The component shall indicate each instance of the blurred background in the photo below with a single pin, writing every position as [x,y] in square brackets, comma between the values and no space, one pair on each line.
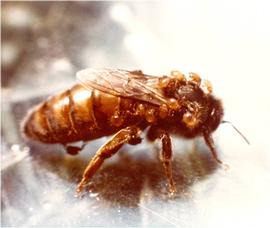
[44,44]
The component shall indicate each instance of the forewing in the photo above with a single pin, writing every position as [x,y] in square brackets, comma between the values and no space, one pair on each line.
[122,83]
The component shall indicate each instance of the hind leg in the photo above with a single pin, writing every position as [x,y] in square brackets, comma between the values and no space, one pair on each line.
[126,135]
[74,150]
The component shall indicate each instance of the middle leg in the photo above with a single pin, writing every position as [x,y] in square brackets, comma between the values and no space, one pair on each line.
[166,159]
[165,154]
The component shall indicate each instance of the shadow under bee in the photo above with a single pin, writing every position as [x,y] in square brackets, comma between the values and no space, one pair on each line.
[123,180]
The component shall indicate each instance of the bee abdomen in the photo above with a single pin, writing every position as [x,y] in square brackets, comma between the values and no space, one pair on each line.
[78,114]
[63,118]
[42,124]
[35,125]
[73,115]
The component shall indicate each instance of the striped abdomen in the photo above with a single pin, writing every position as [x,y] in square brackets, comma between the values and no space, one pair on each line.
[79,114]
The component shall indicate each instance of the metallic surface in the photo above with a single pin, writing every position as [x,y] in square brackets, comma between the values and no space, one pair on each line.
[45,43]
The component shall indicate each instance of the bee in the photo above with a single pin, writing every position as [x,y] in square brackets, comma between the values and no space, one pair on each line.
[123,104]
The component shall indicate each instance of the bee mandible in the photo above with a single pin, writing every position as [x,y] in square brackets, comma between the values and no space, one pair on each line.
[123,104]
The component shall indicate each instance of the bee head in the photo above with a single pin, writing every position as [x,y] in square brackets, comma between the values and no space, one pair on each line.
[202,111]
[199,109]
[215,114]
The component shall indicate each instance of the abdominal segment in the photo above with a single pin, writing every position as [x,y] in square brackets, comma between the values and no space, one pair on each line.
[77,114]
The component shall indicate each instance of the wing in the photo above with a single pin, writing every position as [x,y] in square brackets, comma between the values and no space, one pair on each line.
[122,83]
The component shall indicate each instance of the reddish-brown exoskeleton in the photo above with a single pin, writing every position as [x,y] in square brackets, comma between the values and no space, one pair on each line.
[124,103]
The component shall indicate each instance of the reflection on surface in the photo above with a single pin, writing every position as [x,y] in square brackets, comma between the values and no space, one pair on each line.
[45,181]
[123,180]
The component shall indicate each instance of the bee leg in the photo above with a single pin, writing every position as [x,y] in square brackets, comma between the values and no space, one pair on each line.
[166,153]
[74,150]
[166,159]
[210,143]
[126,135]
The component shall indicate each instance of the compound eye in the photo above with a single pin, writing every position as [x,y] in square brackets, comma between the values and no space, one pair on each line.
[189,119]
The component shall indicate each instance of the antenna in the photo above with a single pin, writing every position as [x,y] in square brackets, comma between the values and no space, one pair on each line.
[225,121]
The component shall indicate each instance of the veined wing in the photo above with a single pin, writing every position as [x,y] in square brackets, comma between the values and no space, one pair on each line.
[122,83]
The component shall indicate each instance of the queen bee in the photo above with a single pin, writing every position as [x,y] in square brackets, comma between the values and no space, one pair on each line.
[123,104]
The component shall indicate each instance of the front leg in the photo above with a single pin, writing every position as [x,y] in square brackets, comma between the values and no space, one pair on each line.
[210,143]
[126,135]
[165,154]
